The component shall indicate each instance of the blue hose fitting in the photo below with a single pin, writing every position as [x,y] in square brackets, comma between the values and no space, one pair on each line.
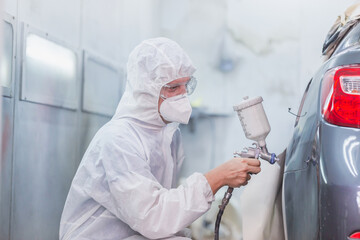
[272,160]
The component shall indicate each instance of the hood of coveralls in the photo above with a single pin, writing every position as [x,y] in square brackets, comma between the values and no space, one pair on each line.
[152,64]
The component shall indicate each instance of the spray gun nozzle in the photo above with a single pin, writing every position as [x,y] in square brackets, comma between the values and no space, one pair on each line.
[257,152]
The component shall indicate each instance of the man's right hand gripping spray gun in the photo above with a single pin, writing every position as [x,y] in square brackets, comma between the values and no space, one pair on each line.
[256,127]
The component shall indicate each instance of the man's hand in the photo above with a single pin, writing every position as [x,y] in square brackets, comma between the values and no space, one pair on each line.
[233,173]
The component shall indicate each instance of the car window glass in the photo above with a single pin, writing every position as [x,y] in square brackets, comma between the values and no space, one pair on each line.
[298,115]
[352,38]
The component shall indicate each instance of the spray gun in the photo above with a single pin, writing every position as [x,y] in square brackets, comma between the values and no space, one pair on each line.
[256,127]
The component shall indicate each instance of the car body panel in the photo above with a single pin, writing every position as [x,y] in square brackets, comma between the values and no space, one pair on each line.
[340,181]
[321,184]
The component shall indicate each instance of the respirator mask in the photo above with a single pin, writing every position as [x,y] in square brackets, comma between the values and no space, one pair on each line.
[176,106]
[176,109]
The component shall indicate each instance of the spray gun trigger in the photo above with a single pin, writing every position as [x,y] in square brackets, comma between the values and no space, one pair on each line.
[236,154]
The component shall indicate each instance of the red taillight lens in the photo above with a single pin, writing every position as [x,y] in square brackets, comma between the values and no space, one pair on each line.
[355,235]
[340,96]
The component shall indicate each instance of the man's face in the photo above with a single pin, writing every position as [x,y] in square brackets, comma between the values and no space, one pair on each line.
[172,89]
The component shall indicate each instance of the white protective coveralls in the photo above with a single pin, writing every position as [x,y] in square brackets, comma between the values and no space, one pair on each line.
[124,186]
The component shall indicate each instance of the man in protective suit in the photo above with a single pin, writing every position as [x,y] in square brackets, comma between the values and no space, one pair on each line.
[125,184]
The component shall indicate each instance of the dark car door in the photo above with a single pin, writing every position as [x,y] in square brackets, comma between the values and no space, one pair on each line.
[300,183]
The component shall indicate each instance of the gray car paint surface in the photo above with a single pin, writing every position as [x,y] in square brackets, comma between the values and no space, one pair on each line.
[321,184]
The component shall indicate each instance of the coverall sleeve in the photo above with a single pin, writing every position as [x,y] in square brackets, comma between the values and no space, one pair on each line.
[129,191]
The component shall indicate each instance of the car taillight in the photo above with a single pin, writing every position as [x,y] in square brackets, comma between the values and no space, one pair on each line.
[355,235]
[340,96]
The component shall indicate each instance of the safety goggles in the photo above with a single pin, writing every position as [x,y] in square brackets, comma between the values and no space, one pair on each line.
[175,89]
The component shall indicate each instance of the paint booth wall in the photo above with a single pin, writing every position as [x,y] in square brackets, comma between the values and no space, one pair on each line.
[51,108]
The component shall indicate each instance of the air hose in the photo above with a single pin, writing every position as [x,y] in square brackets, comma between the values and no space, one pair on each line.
[224,202]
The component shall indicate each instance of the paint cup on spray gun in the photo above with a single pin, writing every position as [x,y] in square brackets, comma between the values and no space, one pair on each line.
[256,127]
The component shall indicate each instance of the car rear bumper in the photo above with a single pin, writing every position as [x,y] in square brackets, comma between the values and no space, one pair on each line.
[339,174]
